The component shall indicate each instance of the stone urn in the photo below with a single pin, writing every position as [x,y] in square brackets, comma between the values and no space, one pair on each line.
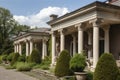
[80,75]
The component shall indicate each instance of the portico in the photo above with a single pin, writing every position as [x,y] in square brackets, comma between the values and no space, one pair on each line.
[36,38]
[85,28]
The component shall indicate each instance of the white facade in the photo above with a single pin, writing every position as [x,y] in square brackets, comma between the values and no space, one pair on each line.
[31,39]
[91,19]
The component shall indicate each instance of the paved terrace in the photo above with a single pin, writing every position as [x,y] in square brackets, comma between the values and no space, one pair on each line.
[13,75]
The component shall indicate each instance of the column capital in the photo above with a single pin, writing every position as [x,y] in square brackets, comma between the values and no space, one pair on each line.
[73,35]
[96,22]
[106,27]
[53,33]
[26,40]
[80,26]
[89,31]
[62,31]
[45,39]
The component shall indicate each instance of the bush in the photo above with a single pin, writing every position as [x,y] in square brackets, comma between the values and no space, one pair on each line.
[0,59]
[4,57]
[44,64]
[22,58]
[118,77]
[21,66]
[106,68]
[10,56]
[27,58]
[10,67]
[89,76]
[78,63]
[62,65]
[15,58]
[35,56]
[32,64]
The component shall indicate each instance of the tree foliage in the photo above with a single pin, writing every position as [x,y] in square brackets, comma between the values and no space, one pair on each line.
[9,29]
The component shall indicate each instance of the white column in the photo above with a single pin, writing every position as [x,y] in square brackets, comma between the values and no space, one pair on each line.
[62,40]
[53,48]
[31,46]
[14,48]
[17,47]
[80,39]
[27,48]
[106,39]
[74,44]
[20,49]
[44,49]
[89,44]
[95,43]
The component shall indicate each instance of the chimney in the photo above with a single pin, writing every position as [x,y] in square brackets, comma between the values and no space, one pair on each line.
[111,1]
[114,2]
[53,16]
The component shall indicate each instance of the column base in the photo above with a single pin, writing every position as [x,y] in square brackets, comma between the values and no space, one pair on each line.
[92,69]
[52,65]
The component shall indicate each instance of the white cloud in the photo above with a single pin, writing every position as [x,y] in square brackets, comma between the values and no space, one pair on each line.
[39,19]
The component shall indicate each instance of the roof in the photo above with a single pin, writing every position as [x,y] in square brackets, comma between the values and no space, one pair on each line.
[39,30]
[96,3]
[36,32]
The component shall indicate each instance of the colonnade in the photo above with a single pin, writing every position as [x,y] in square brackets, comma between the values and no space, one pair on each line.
[96,25]
[29,47]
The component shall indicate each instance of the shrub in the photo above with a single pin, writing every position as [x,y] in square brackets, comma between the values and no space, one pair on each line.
[10,56]
[89,76]
[32,64]
[44,64]
[10,67]
[62,65]
[78,63]
[0,59]
[4,57]
[21,66]
[35,56]
[22,58]
[27,58]
[106,68]
[15,58]
[118,77]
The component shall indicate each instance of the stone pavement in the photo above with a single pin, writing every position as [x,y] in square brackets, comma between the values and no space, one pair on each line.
[13,75]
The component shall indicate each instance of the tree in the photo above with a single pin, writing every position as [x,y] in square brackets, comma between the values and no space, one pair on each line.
[9,28]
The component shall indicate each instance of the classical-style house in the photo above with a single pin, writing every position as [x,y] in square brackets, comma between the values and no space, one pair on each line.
[94,28]
[34,38]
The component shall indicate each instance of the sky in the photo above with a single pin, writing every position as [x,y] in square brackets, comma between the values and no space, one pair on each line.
[35,13]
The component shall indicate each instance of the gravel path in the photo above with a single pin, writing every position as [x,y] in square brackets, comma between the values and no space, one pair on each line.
[13,75]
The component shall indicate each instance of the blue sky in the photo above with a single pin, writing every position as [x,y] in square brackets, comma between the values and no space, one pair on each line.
[38,10]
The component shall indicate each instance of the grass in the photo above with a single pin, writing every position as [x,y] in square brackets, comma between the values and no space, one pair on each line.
[21,66]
